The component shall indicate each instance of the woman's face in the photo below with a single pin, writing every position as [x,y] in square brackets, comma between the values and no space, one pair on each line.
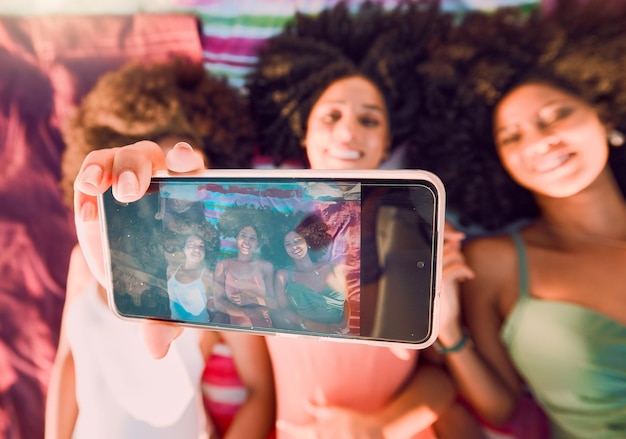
[247,241]
[194,249]
[295,245]
[549,140]
[348,127]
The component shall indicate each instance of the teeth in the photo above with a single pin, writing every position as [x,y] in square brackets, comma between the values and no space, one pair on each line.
[549,165]
[345,154]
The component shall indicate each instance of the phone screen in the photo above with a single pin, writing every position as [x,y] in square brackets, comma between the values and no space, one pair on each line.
[350,258]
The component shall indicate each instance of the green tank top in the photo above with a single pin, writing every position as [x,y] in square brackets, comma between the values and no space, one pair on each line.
[572,358]
[326,306]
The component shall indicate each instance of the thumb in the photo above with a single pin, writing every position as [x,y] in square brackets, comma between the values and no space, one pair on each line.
[182,158]
[158,336]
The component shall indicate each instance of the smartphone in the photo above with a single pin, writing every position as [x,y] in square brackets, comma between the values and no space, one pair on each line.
[341,255]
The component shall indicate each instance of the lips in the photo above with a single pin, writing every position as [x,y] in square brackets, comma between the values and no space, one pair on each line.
[344,154]
[552,162]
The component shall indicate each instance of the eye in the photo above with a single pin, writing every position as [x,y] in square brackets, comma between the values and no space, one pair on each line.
[508,139]
[369,121]
[552,115]
[331,117]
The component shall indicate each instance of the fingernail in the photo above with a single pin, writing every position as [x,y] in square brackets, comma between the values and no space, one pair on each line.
[92,175]
[88,212]
[183,145]
[127,184]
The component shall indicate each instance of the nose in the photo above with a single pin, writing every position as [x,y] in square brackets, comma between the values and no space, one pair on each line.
[344,130]
[540,142]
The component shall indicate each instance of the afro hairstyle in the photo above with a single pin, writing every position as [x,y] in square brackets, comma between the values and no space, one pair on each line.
[296,66]
[576,48]
[142,101]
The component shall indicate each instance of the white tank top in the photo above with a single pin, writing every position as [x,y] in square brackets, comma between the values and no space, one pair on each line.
[188,301]
[122,392]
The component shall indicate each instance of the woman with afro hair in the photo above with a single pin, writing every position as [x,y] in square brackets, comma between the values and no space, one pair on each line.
[311,292]
[164,103]
[334,91]
[296,118]
[244,284]
[525,126]
[104,383]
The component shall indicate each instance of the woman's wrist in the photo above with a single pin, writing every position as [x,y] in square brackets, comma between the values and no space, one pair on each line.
[449,335]
[462,340]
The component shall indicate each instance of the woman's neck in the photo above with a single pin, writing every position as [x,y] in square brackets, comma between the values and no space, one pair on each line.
[191,265]
[244,258]
[304,264]
[597,211]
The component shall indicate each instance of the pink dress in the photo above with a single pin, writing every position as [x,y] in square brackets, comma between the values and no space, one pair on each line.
[354,376]
[250,292]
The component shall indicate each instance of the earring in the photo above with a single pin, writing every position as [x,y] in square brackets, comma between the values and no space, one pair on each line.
[616,138]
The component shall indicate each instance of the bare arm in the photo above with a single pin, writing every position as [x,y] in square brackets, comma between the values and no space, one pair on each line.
[289,316]
[427,394]
[256,417]
[268,278]
[483,372]
[207,282]
[61,405]
[222,302]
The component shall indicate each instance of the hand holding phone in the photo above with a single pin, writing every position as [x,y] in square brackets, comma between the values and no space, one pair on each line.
[102,170]
[391,254]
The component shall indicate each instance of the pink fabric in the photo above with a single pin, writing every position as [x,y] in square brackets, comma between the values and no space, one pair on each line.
[46,65]
[354,376]
[222,389]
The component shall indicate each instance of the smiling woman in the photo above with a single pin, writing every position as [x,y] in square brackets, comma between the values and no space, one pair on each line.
[307,74]
[348,127]
[538,115]
[244,284]
[549,140]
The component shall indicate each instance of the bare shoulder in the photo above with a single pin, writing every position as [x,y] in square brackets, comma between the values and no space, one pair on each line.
[281,274]
[266,266]
[489,255]
[494,262]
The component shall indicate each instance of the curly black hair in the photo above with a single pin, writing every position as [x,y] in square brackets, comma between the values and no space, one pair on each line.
[578,48]
[296,66]
[236,217]
[310,225]
[142,101]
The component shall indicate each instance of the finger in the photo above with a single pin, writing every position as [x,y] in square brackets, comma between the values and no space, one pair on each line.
[158,336]
[93,179]
[94,176]
[451,253]
[458,271]
[450,233]
[400,352]
[133,167]
[182,158]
